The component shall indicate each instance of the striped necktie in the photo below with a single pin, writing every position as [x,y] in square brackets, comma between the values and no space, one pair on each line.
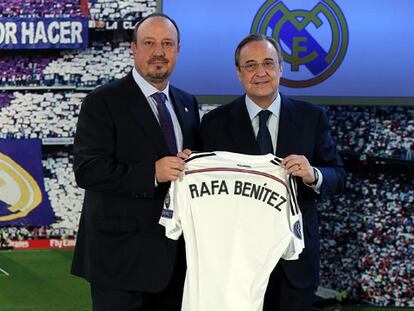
[166,123]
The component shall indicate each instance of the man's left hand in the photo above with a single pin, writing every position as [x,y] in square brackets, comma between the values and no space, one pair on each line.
[298,165]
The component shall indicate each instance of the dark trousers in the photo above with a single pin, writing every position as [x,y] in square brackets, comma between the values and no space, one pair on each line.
[109,299]
[282,296]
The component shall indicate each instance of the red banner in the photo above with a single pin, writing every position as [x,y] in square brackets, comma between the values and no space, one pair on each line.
[44,243]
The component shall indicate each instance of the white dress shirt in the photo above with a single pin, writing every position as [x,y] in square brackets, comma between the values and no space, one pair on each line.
[148,90]
[272,122]
[273,126]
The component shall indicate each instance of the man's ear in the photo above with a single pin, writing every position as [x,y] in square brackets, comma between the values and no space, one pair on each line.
[238,72]
[133,48]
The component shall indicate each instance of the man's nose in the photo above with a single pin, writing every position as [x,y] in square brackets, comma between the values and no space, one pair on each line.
[158,49]
[260,71]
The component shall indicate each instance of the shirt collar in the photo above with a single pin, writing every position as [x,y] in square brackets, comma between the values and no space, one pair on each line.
[146,87]
[254,109]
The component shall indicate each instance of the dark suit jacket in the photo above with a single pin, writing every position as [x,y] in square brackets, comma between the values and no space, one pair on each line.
[304,130]
[118,139]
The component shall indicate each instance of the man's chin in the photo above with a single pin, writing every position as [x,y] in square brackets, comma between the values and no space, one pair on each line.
[158,78]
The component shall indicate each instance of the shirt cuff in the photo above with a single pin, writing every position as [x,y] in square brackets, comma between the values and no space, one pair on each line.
[317,187]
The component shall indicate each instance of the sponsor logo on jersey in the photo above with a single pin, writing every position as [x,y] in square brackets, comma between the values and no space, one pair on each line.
[314,42]
[297,230]
[19,192]
[244,165]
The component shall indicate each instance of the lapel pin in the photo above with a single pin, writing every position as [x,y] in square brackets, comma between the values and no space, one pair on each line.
[186,109]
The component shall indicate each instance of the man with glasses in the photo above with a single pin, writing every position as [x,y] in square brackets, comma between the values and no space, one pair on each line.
[265,121]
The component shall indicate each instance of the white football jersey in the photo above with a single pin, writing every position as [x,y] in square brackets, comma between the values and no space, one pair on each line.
[239,216]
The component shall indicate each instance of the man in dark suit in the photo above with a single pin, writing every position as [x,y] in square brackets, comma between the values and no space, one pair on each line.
[257,123]
[127,138]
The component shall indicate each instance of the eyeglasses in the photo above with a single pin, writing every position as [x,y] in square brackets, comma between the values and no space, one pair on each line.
[253,66]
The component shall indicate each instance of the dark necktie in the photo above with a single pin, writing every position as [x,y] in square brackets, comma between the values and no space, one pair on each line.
[166,123]
[263,136]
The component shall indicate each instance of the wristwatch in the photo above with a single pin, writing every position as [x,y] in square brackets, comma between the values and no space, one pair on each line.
[316,175]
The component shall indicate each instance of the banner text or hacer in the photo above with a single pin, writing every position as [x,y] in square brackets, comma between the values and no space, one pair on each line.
[43,33]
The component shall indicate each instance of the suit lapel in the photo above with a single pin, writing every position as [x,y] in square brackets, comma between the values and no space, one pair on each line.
[241,128]
[141,111]
[287,128]
[182,112]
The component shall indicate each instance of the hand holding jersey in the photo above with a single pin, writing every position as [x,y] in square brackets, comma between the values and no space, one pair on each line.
[298,165]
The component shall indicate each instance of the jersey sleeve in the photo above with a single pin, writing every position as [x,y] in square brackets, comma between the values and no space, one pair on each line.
[170,217]
[297,243]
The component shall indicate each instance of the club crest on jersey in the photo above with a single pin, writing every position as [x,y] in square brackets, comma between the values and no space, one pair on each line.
[313,41]
[297,230]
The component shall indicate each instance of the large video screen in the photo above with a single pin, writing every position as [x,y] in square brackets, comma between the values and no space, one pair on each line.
[331,48]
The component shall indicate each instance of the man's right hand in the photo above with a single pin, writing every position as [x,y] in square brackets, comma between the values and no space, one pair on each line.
[185,154]
[168,168]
